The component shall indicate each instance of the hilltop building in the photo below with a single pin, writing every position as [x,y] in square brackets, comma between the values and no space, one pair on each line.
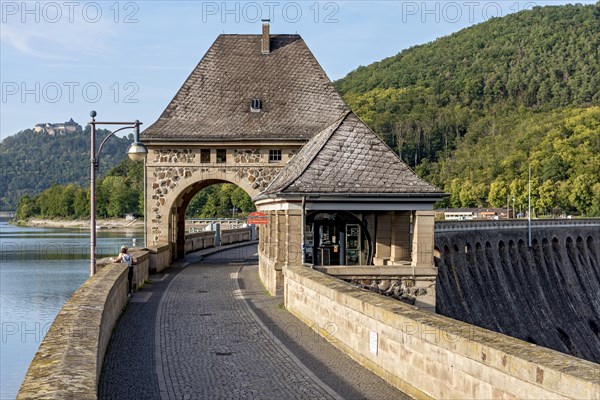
[60,128]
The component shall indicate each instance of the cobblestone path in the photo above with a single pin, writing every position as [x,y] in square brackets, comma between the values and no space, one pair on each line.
[209,330]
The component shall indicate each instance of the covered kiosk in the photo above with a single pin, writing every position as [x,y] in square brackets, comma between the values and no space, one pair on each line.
[347,202]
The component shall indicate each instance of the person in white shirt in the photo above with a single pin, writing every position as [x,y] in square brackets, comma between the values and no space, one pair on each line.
[125,257]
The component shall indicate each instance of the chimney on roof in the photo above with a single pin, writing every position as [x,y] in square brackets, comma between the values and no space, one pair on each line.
[265,41]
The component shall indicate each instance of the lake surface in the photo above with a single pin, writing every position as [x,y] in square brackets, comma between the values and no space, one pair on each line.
[40,268]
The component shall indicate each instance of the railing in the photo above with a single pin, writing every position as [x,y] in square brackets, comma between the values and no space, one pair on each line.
[198,225]
[453,226]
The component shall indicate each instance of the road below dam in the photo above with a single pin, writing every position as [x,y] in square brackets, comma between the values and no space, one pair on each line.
[548,294]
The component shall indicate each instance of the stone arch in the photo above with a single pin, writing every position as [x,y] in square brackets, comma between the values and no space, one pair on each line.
[468,248]
[171,188]
[523,253]
[489,254]
[556,252]
[446,250]
[512,254]
[547,253]
[537,252]
[180,208]
[502,253]
[570,246]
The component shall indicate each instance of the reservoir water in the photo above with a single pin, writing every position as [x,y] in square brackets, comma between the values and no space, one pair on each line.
[40,268]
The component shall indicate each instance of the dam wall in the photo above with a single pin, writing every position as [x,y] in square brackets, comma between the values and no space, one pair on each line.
[547,295]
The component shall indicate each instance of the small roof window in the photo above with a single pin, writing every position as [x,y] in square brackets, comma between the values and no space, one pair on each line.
[255,105]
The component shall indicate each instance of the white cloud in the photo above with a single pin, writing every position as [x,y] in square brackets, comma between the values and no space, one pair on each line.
[62,40]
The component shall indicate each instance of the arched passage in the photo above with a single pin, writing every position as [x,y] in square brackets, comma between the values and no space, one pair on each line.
[170,188]
[177,228]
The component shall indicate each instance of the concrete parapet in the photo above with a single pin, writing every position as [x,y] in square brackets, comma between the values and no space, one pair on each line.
[431,356]
[69,360]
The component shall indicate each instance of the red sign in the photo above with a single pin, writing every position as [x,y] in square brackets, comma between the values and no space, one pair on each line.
[258,218]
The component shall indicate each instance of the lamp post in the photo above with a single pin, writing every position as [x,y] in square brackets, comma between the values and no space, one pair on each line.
[136,151]
[514,215]
[529,209]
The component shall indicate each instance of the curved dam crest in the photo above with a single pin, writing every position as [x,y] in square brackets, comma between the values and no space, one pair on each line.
[548,294]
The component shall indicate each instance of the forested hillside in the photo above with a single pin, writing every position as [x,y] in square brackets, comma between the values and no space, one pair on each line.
[121,192]
[473,110]
[31,162]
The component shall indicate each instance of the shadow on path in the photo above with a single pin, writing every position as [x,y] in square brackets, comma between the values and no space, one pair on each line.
[222,336]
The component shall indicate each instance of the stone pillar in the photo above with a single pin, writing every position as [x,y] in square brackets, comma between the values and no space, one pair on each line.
[383,238]
[271,236]
[400,236]
[294,237]
[423,240]
[281,243]
[422,259]
[180,234]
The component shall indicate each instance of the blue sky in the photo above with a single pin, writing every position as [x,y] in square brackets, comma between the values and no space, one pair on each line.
[126,60]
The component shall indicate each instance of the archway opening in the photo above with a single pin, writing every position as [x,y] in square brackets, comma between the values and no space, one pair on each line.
[220,201]
[204,203]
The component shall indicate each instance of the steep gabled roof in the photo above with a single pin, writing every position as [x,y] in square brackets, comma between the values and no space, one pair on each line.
[214,102]
[348,157]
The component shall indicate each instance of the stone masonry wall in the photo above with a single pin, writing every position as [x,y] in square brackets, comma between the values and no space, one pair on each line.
[431,356]
[69,360]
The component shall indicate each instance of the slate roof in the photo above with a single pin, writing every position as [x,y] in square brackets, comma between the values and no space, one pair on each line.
[348,157]
[214,102]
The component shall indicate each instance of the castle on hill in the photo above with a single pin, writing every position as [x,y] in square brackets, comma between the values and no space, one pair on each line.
[57,129]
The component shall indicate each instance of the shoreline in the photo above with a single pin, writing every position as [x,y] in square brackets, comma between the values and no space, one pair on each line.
[101,224]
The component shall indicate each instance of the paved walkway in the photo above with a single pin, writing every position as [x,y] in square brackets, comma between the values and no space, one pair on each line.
[207,329]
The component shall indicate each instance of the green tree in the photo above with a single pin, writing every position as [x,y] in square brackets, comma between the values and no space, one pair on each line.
[582,195]
[26,208]
[547,196]
[498,195]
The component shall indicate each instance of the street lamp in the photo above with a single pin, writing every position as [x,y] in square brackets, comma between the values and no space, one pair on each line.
[136,151]
[514,216]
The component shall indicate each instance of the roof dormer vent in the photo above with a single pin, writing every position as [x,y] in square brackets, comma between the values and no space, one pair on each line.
[265,47]
[255,105]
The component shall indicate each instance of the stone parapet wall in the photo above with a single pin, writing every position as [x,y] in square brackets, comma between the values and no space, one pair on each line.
[235,235]
[159,256]
[141,267]
[271,277]
[69,360]
[431,356]
[200,240]
[203,240]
